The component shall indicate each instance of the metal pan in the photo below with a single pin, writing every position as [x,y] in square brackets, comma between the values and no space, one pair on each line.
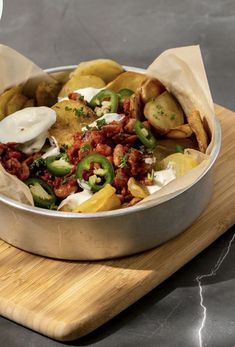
[108,234]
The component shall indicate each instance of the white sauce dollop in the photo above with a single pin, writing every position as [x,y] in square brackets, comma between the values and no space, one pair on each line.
[76,199]
[54,148]
[28,126]
[108,117]
[161,179]
[88,93]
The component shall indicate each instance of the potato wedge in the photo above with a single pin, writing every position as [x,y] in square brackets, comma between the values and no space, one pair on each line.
[71,117]
[127,80]
[29,103]
[103,200]
[16,103]
[181,132]
[197,127]
[78,82]
[137,189]
[5,98]
[106,69]
[164,113]
[47,93]
[151,88]
[182,163]
[135,106]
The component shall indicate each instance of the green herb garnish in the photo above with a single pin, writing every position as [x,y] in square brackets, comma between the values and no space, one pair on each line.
[79,112]
[100,123]
[124,160]
[68,108]
[85,147]
[37,165]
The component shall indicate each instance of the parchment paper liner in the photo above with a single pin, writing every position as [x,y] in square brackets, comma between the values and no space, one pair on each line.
[182,72]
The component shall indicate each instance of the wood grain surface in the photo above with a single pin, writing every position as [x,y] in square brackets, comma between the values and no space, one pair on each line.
[65,300]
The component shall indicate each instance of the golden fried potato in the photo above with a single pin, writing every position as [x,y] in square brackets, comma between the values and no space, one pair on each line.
[135,106]
[182,163]
[166,147]
[181,132]
[29,103]
[106,69]
[16,103]
[47,93]
[164,113]
[78,82]
[127,80]
[137,189]
[71,117]
[197,127]
[5,98]
[150,89]
[103,200]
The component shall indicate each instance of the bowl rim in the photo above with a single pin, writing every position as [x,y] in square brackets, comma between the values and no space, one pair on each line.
[121,211]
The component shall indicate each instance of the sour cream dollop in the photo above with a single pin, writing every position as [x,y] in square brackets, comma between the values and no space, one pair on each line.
[28,126]
[87,93]
[108,118]
[74,200]
[161,179]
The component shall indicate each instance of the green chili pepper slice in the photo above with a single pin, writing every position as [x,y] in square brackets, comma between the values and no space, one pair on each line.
[43,195]
[96,178]
[124,93]
[106,101]
[144,135]
[58,165]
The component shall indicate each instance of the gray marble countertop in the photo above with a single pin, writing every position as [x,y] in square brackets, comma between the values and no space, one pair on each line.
[195,306]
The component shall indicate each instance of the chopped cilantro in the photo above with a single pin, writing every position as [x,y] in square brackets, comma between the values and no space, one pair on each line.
[85,130]
[124,159]
[68,108]
[85,147]
[173,116]
[100,123]
[37,165]
[79,112]
[142,149]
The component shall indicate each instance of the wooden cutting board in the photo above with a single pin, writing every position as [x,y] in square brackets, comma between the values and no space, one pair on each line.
[65,300]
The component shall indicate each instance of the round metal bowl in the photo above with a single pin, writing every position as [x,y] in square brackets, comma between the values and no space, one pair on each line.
[111,234]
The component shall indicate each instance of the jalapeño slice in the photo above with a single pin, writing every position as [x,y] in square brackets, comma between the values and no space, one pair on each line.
[96,171]
[106,101]
[43,195]
[144,135]
[124,93]
[58,165]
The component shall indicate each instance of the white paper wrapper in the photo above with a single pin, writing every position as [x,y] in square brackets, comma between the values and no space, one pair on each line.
[13,188]
[182,72]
